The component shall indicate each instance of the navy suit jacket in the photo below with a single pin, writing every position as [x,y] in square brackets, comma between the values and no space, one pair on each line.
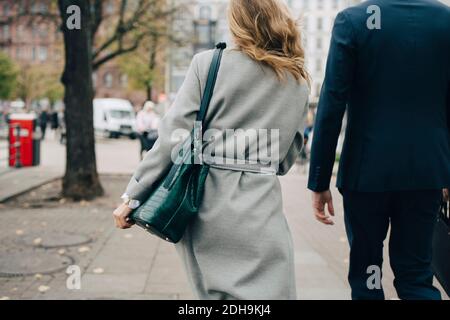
[394,83]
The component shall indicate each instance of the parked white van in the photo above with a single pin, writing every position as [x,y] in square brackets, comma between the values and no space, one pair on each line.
[114,118]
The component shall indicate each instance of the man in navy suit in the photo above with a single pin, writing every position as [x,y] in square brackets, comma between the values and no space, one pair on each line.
[389,69]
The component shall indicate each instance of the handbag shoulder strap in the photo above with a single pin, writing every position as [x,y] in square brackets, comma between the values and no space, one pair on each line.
[206,100]
[211,82]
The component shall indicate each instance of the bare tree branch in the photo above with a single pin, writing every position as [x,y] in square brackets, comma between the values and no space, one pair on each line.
[120,51]
[126,27]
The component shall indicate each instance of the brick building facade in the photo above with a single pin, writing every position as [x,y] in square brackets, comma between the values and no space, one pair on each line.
[38,41]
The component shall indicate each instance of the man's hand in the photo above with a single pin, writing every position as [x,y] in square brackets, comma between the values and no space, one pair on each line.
[319,200]
[121,215]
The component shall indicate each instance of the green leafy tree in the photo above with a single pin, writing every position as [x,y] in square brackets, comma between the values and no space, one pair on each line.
[8,77]
[37,82]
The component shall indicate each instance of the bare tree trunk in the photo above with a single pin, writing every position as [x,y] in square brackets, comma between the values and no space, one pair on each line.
[152,65]
[81,180]
[149,90]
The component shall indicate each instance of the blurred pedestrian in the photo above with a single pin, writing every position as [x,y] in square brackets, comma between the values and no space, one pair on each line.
[54,122]
[6,116]
[43,122]
[147,126]
[61,127]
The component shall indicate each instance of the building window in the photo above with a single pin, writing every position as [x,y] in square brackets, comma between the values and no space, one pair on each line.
[35,31]
[39,7]
[35,8]
[204,35]
[319,44]
[205,31]
[43,31]
[319,23]
[305,43]
[124,80]
[108,80]
[6,32]
[320,4]
[22,6]
[305,23]
[318,65]
[43,53]
[6,9]
[20,31]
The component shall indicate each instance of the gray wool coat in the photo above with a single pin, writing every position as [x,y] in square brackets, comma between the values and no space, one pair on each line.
[240,246]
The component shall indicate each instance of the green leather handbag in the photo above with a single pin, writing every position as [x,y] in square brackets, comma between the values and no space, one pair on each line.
[177,199]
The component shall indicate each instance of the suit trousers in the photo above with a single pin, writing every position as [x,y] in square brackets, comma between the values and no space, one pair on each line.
[412,216]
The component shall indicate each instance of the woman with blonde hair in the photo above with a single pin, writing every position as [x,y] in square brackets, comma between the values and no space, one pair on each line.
[239,246]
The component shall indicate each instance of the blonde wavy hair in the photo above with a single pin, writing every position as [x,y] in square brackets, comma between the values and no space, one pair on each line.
[266,31]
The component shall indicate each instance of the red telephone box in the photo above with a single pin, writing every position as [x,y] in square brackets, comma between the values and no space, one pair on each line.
[24,144]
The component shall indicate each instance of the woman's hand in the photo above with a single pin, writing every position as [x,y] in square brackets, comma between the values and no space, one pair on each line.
[121,215]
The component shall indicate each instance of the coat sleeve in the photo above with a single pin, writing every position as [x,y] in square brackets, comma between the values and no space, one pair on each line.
[177,123]
[332,104]
[297,145]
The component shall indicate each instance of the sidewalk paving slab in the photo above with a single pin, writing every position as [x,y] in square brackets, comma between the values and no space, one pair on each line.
[15,182]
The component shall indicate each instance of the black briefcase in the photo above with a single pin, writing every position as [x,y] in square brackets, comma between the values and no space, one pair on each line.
[441,248]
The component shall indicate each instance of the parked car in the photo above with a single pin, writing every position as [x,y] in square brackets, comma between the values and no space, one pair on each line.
[114,118]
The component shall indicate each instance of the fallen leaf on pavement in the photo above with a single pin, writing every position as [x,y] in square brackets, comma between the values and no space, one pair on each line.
[43,289]
[84,203]
[98,270]
[83,249]
[37,241]
[19,232]
[61,251]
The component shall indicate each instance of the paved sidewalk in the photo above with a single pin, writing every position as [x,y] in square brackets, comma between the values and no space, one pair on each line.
[134,265]
[14,182]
